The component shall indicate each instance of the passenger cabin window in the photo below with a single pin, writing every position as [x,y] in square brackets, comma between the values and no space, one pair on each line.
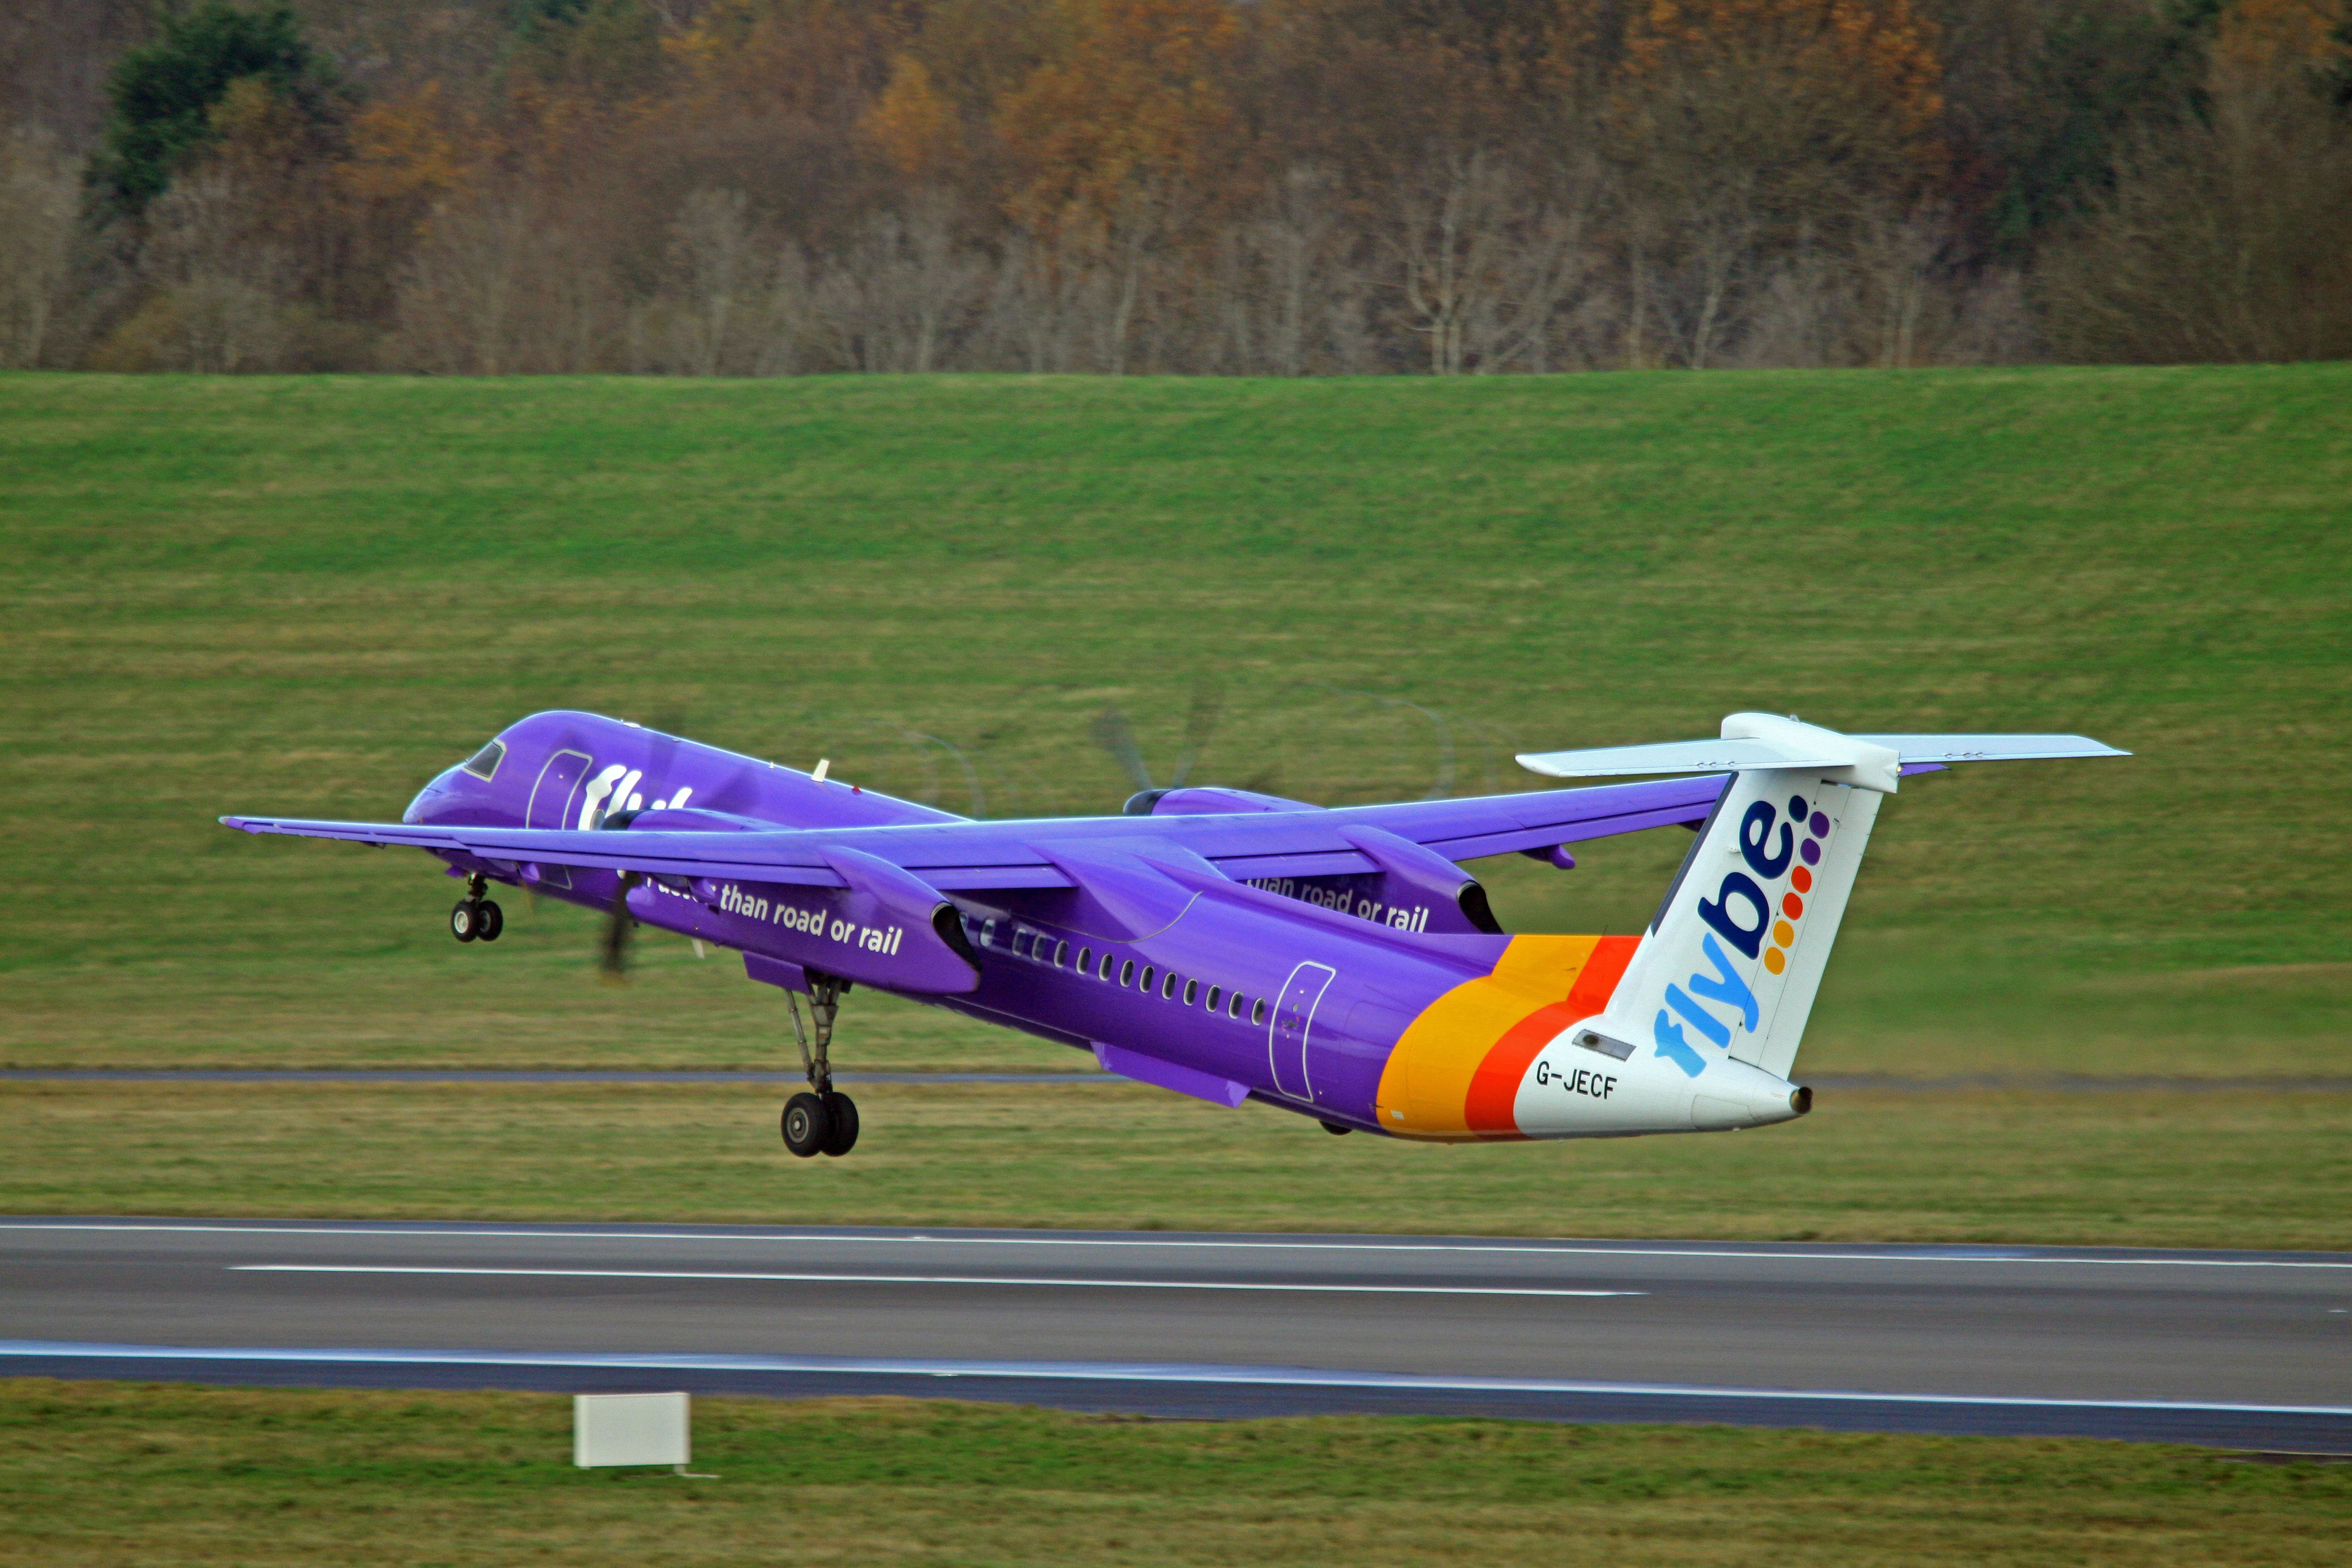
[1236,1005]
[1110,961]
[988,933]
[1168,988]
[1147,980]
[1020,944]
[1191,992]
[1216,994]
[1085,960]
[484,764]
[1257,1010]
[1127,972]
[1061,953]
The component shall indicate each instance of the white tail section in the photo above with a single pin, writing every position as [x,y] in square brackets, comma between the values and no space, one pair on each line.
[1730,964]
[1734,957]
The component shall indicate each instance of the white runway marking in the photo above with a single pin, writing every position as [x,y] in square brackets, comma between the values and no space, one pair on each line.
[1024,1281]
[1116,1371]
[1926,1253]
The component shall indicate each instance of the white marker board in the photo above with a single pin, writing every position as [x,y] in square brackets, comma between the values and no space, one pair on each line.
[629,1429]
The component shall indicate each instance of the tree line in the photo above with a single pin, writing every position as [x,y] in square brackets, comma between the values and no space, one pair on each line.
[1263,187]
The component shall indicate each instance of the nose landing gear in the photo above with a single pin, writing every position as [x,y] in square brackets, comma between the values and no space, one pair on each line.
[821,1120]
[475,918]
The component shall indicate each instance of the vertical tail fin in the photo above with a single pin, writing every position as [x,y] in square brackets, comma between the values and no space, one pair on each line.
[1734,957]
[1732,960]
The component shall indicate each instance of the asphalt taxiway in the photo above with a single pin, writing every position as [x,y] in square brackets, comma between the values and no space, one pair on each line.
[2247,1349]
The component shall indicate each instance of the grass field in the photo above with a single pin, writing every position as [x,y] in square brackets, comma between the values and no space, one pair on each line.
[2210,1169]
[307,596]
[95,1474]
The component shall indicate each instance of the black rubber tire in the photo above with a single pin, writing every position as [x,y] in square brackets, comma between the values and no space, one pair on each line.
[842,1136]
[464,920]
[805,1125]
[494,920]
[1337,1129]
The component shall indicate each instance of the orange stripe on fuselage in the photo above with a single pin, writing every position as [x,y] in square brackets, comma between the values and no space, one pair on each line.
[1455,1075]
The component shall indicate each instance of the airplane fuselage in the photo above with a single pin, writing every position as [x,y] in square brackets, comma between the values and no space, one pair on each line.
[1316,995]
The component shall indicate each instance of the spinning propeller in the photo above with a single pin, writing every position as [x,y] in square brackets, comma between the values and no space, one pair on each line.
[1113,734]
[613,951]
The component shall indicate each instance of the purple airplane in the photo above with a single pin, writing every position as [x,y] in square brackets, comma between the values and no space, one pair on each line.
[1339,963]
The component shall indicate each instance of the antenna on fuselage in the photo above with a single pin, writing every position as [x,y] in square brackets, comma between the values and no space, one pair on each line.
[824,766]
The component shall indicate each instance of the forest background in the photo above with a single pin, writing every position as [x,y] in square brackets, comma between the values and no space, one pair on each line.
[1202,186]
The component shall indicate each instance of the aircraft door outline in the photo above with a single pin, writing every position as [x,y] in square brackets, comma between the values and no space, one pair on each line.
[1294,1018]
[565,770]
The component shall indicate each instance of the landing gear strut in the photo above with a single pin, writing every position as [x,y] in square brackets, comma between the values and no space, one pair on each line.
[820,1122]
[475,918]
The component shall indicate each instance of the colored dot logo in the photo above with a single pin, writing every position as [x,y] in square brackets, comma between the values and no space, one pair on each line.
[1792,905]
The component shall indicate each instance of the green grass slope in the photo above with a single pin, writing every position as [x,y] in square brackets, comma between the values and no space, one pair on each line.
[307,596]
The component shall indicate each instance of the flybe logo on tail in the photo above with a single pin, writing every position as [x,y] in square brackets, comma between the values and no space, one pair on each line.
[1744,914]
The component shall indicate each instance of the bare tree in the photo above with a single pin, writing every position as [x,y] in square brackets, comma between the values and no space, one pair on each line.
[506,281]
[1044,313]
[1991,321]
[716,258]
[1800,316]
[2226,237]
[1716,220]
[1897,263]
[1483,264]
[1542,266]
[464,289]
[213,290]
[38,189]
[1281,287]
[1444,233]
[901,297]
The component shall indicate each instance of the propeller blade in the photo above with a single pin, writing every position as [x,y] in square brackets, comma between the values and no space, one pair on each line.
[1112,734]
[612,960]
[613,951]
[1199,723]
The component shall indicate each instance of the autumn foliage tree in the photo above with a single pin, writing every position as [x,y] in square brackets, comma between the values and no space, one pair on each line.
[1261,186]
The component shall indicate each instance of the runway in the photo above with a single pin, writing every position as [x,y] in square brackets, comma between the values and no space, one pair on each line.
[2243,1349]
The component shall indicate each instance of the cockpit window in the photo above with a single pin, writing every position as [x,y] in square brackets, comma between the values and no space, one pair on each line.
[484,763]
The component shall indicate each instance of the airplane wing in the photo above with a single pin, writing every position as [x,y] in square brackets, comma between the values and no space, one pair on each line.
[960,857]
[793,857]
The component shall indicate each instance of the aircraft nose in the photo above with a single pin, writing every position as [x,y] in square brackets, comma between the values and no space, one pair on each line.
[420,809]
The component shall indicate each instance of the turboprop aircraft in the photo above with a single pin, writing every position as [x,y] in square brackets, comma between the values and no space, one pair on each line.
[1336,962]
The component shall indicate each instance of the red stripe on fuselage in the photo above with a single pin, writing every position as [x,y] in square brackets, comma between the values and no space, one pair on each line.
[1596,981]
[1495,1087]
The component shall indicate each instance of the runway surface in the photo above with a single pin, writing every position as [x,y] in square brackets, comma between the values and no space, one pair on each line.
[2244,1350]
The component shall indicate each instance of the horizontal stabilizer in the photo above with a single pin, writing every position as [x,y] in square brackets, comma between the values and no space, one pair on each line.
[1991,748]
[1751,741]
[1674,757]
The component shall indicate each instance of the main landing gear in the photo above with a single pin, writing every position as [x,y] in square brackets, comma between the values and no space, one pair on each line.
[475,918]
[822,1121]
